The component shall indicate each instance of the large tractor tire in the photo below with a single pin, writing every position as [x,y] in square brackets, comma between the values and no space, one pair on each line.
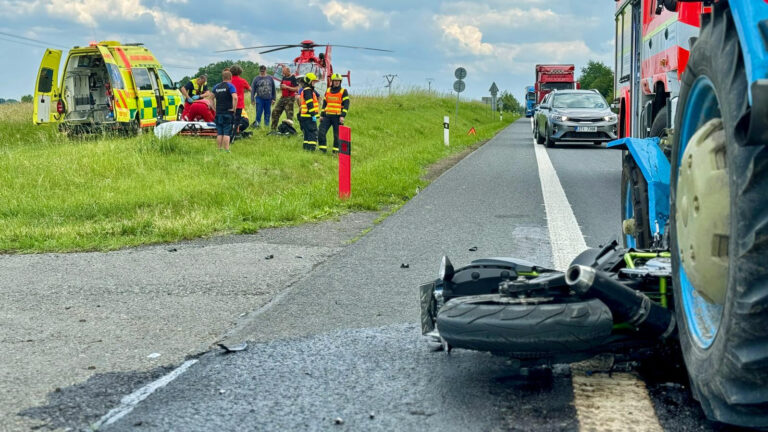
[634,206]
[719,233]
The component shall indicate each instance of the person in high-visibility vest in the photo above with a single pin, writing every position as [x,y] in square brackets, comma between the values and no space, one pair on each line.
[309,111]
[335,108]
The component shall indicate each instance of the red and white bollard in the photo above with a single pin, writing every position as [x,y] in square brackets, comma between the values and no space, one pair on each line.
[345,153]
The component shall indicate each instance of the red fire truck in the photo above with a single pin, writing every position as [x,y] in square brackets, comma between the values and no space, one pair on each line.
[661,46]
[553,77]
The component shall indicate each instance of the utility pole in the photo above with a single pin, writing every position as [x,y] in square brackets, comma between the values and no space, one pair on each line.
[390,78]
[429,83]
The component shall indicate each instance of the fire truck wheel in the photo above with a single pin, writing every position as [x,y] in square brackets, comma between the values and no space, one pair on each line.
[722,312]
[634,206]
[659,123]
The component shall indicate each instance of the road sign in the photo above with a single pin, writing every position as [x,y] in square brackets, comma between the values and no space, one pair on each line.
[459,86]
[494,89]
[460,73]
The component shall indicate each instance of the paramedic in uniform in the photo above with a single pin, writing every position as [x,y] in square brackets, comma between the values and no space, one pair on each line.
[335,107]
[195,89]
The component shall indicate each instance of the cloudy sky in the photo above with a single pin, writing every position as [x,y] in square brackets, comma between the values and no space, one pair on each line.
[495,40]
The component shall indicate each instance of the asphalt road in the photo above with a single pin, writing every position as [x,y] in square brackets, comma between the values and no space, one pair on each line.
[340,349]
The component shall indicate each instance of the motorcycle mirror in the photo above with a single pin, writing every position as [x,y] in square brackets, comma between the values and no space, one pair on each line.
[446,269]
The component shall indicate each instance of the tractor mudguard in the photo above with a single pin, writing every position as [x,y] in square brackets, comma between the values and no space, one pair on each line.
[654,165]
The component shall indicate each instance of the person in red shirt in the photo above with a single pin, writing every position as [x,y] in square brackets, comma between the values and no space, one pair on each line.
[241,85]
[200,110]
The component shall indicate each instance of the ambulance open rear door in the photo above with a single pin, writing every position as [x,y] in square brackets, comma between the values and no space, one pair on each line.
[47,89]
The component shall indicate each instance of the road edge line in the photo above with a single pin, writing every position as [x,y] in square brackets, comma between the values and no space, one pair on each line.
[129,402]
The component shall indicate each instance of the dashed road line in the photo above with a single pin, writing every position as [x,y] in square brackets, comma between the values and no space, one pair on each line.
[618,402]
[129,402]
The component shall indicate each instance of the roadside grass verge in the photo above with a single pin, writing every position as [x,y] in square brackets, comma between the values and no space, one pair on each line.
[103,192]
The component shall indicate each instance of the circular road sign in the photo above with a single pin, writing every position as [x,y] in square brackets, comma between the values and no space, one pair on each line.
[460,73]
[459,86]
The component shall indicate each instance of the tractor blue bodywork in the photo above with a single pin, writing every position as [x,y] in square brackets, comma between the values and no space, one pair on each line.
[654,165]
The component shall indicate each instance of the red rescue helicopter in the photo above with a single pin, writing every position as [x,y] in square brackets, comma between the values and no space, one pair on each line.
[307,61]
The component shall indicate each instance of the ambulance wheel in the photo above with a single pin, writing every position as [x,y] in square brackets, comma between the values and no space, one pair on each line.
[134,128]
[719,234]
[636,229]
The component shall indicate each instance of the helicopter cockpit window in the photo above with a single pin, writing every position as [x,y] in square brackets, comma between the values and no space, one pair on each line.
[305,68]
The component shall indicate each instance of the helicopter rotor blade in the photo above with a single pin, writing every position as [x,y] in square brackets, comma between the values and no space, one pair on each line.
[255,47]
[278,49]
[363,48]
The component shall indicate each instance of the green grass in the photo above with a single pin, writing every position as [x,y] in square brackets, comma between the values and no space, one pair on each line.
[106,192]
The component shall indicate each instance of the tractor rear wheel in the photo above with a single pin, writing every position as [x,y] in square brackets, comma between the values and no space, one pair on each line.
[719,232]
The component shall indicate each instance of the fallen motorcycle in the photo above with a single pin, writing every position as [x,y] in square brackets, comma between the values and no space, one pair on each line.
[610,300]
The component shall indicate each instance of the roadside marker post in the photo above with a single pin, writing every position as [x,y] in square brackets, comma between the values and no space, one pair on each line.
[446,130]
[345,169]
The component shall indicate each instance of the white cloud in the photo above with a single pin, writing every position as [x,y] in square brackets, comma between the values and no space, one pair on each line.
[469,37]
[350,16]
[182,30]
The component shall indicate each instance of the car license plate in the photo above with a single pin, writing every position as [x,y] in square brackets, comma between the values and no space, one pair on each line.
[586,129]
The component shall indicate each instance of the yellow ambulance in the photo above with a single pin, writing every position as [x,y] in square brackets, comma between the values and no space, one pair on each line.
[105,85]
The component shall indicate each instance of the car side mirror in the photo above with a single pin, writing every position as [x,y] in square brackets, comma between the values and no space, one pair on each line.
[177,86]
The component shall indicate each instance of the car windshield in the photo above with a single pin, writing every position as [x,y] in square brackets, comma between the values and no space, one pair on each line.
[579,100]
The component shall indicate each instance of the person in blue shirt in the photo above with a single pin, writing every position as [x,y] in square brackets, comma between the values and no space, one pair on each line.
[226,101]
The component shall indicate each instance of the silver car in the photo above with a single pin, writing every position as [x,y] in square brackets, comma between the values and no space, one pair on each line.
[574,116]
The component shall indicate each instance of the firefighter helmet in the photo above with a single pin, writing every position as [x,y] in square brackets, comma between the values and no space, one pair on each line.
[336,77]
[310,77]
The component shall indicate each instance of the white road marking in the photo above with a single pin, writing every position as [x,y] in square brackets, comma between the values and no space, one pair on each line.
[128,403]
[564,232]
[603,402]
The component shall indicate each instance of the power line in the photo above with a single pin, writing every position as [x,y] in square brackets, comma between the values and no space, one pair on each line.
[22,43]
[31,40]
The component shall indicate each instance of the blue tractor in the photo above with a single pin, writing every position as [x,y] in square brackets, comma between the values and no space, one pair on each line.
[701,192]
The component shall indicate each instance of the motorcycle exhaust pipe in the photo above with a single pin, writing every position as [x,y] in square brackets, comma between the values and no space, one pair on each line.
[626,304]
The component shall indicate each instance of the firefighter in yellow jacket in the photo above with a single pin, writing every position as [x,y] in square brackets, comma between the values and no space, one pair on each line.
[309,111]
[335,108]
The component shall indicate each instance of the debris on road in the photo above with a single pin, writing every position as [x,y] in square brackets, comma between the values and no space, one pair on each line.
[154,355]
[233,348]
[405,266]
[269,257]
[473,249]
[338,421]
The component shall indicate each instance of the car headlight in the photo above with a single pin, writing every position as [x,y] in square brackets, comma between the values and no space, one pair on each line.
[560,118]
[612,117]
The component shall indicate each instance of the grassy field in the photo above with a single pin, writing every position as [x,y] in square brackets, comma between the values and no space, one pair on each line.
[105,192]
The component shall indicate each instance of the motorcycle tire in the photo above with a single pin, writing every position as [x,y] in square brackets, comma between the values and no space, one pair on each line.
[566,330]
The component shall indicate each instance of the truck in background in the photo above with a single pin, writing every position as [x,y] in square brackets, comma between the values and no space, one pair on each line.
[551,77]
[530,100]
